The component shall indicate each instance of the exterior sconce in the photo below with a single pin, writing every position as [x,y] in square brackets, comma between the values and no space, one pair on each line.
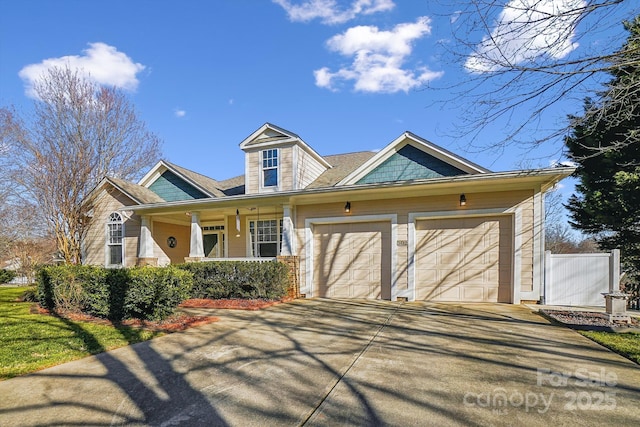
[347,207]
[463,200]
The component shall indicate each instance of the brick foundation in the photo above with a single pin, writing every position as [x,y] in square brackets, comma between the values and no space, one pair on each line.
[294,273]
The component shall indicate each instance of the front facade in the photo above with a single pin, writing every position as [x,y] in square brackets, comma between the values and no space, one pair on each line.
[412,221]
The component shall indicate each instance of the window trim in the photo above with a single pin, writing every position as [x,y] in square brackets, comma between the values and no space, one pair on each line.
[109,244]
[253,244]
[262,159]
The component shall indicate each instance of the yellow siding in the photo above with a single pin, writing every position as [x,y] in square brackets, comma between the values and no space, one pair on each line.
[237,244]
[166,255]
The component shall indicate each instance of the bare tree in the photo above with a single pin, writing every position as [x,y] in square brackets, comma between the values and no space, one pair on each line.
[79,132]
[524,56]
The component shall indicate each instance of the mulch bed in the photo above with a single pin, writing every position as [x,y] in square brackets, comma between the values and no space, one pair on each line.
[589,320]
[232,303]
[177,322]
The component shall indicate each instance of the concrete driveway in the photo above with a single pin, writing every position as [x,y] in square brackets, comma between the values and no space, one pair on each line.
[319,362]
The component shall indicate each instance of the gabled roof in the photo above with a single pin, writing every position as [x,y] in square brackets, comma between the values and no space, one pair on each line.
[269,135]
[408,138]
[137,193]
[341,166]
[233,186]
[206,185]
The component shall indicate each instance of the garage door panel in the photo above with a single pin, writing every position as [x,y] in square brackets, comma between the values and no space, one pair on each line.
[360,260]
[463,259]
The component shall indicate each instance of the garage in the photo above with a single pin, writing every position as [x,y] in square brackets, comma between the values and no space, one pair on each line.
[352,260]
[464,259]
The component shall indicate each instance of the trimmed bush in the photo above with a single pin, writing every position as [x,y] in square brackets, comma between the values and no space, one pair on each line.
[154,292]
[6,275]
[150,293]
[238,279]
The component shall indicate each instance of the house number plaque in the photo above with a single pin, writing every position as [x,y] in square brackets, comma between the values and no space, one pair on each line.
[402,243]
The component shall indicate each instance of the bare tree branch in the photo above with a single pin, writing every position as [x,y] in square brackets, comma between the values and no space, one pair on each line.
[522,57]
[78,134]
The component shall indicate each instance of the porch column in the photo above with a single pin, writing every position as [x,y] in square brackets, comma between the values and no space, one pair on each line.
[146,241]
[145,251]
[287,248]
[196,248]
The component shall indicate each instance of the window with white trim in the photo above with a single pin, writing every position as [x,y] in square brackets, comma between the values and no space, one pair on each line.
[114,240]
[266,237]
[270,167]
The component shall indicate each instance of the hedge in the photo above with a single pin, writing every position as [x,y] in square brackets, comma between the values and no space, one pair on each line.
[150,293]
[238,279]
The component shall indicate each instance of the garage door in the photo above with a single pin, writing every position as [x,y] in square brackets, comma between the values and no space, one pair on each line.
[352,260]
[464,259]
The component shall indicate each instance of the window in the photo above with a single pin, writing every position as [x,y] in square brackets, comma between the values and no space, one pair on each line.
[270,168]
[114,239]
[266,237]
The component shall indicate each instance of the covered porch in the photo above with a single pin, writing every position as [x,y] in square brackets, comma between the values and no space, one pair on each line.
[217,230]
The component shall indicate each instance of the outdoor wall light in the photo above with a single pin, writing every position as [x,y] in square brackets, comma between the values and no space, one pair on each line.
[463,200]
[347,207]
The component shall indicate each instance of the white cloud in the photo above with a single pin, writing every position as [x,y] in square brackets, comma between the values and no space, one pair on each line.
[330,12]
[100,62]
[526,30]
[379,57]
[180,113]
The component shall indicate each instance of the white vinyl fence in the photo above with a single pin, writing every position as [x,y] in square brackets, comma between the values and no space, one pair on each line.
[580,279]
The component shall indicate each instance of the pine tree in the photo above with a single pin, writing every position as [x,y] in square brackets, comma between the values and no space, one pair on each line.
[605,143]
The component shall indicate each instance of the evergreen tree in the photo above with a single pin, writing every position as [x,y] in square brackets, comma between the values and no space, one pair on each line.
[606,148]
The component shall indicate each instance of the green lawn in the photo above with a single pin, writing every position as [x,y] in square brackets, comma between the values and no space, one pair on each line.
[626,344]
[29,342]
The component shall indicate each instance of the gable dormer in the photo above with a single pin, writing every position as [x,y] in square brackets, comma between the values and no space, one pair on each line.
[279,160]
[410,157]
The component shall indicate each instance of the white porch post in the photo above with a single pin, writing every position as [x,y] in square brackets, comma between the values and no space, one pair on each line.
[146,241]
[287,232]
[196,247]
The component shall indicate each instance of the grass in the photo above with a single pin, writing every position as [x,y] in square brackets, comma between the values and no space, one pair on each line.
[627,344]
[30,342]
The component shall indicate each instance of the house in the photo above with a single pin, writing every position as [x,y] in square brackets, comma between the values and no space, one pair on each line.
[411,221]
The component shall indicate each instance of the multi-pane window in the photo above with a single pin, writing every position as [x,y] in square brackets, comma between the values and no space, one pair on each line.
[266,237]
[270,168]
[114,239]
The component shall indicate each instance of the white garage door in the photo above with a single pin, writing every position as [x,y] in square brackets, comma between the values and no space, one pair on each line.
[464,259]
[352,260]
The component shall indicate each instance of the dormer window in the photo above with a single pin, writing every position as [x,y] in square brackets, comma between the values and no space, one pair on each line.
[270,168]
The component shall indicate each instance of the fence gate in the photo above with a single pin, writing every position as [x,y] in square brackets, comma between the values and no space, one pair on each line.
[580,279]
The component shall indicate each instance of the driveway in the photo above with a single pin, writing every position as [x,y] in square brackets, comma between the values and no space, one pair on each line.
[320,362]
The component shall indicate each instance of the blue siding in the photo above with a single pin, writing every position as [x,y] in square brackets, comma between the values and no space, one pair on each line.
[410,163]
[171,187]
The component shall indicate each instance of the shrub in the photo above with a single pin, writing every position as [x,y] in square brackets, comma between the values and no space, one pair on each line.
[6,275]
[150,293]
[238,279]
[65,287]
[29,295]
[154,293]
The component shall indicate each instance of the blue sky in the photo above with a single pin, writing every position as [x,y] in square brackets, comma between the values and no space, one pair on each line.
[344,75]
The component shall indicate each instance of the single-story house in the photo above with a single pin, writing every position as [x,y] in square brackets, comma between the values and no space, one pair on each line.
[412,221]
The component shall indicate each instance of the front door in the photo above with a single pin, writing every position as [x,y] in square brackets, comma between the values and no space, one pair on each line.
[213,245]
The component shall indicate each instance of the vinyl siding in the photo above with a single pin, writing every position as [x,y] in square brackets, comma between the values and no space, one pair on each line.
[402,207]
[308,169]
[94,243]
[171,188]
